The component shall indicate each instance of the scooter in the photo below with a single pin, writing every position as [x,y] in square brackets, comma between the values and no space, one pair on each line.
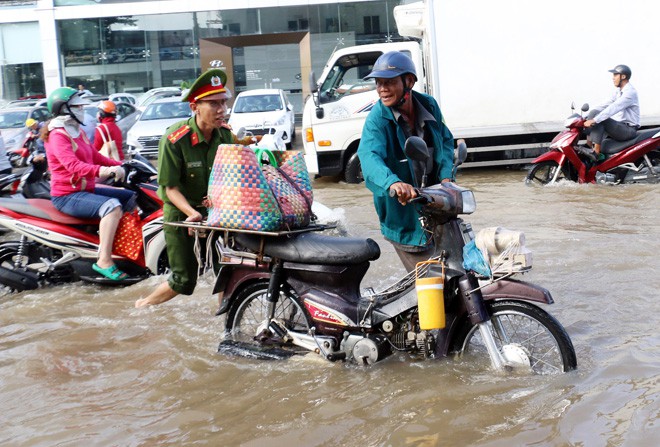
[19,157]
[632,161]
[57,248]
[300,292]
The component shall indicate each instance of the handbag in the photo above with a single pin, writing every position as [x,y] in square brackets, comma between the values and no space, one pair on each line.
[289,180]
[246,194]
[128,237]
[239,195]
[109,148]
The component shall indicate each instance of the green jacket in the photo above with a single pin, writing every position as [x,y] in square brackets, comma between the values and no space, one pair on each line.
[185,160]
[384,163]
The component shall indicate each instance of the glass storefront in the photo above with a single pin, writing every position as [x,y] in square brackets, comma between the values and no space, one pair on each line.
[135,53]
[21,71]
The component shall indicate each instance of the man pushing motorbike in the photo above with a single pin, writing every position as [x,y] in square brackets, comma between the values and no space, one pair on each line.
[400,114]
[618,117]
[185,157]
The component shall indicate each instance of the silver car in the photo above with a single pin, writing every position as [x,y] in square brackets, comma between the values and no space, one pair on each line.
[146,133]
[12,124]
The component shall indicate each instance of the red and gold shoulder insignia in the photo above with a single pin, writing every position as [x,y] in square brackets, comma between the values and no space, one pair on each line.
[178,134]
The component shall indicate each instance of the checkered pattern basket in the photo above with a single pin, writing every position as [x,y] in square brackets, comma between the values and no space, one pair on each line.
[240,196]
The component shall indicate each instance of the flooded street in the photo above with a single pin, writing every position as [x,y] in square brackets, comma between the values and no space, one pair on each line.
[79,365]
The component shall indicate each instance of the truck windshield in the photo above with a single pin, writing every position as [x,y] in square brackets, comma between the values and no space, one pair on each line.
[346,77]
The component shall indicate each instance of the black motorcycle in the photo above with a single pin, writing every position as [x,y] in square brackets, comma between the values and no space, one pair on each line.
[300,292]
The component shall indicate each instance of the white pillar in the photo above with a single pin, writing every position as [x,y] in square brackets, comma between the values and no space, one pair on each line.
[50,51]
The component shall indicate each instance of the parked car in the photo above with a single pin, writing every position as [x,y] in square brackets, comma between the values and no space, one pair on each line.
[127,115]
[12,124]
[156,118]
[264,111]
[157,93]
[123,97]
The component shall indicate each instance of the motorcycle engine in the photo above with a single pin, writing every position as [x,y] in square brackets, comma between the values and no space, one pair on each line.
[366,350]
[411,341]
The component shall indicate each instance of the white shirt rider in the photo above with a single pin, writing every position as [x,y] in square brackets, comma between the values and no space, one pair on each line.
[623,106]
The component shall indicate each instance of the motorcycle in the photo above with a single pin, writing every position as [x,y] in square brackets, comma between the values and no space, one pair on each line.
[57,248]
[632,161]
[32,183]
[19,157]
[300,292]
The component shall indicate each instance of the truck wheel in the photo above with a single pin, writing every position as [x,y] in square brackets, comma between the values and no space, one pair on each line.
[353,171]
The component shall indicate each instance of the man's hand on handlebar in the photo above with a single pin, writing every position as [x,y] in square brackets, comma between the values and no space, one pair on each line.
[403,192]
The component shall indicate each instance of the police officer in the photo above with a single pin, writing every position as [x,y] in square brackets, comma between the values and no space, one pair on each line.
[185,158]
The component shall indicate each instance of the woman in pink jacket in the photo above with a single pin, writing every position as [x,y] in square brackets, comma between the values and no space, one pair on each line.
[74,167]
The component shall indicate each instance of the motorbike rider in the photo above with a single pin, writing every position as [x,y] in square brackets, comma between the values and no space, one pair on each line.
[34,126]
[401,113]
[185,157]
[74,167]
[619,117]
[107,129]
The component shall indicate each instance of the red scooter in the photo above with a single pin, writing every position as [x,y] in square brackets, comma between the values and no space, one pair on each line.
[53,247]
[631,161]
[19,157]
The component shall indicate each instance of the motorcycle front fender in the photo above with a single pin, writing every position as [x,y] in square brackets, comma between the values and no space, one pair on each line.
[231,278]
[519,290]
[551,155]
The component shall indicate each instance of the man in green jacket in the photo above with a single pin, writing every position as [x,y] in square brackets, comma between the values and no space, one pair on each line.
[185,158]
[402,113]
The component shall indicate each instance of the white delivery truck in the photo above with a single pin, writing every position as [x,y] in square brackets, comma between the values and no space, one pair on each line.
[505,74]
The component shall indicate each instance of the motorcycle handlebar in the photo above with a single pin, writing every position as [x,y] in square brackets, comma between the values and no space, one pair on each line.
[421,198]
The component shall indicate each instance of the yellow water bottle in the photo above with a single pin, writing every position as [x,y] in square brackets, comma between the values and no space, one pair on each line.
[430,298]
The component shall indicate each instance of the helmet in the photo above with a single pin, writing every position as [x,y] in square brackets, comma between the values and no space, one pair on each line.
[30,122]
[622,70]
[64,96]
[107,107]
[391,65]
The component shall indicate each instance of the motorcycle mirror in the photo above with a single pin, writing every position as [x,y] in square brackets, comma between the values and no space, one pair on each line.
[241,133]
[461,153]
[585,107]
[416,149]
[572,106]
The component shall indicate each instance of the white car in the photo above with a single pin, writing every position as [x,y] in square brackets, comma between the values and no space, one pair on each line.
[156,93]
[147,131]
[262,112]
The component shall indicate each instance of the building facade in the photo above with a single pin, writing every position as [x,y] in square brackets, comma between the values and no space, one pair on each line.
[113,46]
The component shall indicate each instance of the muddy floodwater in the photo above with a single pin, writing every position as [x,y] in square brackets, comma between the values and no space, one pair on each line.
[80,366]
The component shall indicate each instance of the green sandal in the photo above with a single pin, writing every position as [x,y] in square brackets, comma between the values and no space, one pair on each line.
[111,272]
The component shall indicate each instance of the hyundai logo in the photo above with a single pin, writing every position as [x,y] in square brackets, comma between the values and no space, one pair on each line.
[216,63]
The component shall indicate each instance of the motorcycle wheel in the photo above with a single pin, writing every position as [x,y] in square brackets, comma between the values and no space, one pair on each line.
[543,173]
[248,314]
[543,339]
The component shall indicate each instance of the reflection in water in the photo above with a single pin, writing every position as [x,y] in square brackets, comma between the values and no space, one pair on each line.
[80,365]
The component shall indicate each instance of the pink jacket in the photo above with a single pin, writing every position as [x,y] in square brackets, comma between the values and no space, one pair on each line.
[74,164]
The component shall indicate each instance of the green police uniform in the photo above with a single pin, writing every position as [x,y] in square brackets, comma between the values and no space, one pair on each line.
[185,160]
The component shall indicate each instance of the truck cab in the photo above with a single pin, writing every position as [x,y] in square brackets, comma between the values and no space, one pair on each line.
[334,114]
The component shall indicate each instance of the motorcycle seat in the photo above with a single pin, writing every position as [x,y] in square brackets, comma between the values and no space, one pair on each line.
[311,248]
[610,146]
[43,209]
